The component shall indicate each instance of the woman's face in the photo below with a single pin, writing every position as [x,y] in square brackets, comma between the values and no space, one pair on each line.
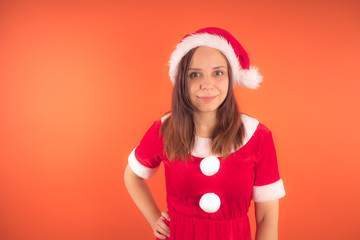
[207,79]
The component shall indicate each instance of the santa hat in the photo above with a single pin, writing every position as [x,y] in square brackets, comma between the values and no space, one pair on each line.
[223,41]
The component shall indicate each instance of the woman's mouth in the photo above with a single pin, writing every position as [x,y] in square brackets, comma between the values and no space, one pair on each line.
[207,98]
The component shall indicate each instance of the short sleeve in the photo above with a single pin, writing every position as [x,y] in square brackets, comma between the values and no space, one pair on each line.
[268,185]
[145,159]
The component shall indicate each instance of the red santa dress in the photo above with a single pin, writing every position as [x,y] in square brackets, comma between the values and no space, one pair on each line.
[208,197]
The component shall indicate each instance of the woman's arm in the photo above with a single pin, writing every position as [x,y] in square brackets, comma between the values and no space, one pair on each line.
[141,195]
[267,218]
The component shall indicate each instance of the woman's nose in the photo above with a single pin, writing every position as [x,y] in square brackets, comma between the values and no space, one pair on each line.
[206,82]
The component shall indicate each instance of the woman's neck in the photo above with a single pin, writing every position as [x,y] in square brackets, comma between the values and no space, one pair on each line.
[204,123]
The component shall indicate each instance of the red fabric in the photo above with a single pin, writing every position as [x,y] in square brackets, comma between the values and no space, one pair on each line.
[253,164]
[149,152]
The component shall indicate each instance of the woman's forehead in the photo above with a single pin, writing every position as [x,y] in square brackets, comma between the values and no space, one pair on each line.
[207,57]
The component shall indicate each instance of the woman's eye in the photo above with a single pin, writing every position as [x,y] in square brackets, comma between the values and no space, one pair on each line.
[194,74]
[218,73]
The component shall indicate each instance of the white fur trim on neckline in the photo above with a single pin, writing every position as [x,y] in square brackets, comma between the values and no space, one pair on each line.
[250,125]
[165,117]
[202,145]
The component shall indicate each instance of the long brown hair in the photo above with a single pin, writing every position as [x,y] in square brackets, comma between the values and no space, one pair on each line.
[179,127]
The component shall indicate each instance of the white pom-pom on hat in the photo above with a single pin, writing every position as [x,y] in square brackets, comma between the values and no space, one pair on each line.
[227,44]
[250,78]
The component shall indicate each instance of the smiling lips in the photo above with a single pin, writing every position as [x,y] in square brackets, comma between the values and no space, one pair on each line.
[207,98]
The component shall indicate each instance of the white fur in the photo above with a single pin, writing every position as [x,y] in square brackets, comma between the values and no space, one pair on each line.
[269,192]
[250,125]
[210,165]
[139,169]
[202,145]
[165,117]
[210,202]
[247,77]
[250,78]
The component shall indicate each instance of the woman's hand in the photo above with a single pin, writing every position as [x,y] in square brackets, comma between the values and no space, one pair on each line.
[160,227]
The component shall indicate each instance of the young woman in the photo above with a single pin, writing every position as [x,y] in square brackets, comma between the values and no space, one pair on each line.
[216,159]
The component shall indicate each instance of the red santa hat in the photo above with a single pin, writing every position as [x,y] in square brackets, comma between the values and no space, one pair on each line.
[227,44]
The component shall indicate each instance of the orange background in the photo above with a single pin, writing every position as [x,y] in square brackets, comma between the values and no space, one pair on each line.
[81,81]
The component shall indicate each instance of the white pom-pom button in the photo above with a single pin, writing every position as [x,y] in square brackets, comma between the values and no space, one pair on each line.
[210,202]
[210,165]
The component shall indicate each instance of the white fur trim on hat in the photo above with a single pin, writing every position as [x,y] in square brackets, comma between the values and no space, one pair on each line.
[247,77]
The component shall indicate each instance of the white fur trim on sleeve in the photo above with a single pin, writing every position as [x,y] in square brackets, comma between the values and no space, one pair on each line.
[269,192]
[139,169]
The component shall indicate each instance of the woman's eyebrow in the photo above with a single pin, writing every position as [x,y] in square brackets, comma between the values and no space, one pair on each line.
[198,69]
[219,67]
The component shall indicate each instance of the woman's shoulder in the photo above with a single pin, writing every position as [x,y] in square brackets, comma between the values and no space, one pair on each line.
[154,129]
[163,118]
[251,124]
[254,129]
